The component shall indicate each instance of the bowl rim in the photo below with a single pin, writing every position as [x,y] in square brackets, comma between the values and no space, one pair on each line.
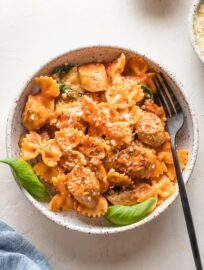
[193,10]
[107,230]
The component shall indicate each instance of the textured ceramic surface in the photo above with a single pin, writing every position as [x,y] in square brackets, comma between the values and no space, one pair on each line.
[188,137]
[192,13]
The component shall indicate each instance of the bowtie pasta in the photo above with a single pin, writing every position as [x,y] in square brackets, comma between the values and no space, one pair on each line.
[96,137]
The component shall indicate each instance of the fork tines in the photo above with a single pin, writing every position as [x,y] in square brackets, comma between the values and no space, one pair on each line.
[166,96]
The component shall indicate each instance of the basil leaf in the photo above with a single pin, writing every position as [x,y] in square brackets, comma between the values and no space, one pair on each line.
[124,215]
[27,178]
[148,92]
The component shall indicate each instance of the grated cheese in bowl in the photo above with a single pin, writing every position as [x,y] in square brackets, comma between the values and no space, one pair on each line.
[198,28]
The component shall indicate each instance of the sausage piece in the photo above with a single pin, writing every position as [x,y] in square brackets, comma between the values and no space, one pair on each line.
[150,129]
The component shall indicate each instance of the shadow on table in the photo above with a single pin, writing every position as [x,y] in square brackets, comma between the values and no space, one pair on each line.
[115,249]
[159,7]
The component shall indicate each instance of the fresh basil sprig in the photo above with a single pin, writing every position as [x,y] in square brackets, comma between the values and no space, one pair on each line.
[124,215]
[27,178]
[148,92]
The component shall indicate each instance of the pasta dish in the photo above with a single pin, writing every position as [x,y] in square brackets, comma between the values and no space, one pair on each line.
[96,137]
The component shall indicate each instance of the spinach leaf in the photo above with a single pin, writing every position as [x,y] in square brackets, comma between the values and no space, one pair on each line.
[64,87]
[71,94]
[27,178]
[80,94]
[148,92]
[71,98]
[124,215]
[60,70]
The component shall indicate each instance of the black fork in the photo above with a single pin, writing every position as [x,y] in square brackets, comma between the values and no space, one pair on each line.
[175,119]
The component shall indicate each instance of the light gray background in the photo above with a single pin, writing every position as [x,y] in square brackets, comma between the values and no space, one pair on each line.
[33,31]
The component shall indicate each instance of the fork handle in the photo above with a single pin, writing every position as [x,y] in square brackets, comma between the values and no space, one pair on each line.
[186,210]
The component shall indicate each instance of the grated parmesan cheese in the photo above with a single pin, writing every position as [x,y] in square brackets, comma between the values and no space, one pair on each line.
[198,27]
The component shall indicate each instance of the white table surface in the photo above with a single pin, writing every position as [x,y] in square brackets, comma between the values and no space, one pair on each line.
[31,32]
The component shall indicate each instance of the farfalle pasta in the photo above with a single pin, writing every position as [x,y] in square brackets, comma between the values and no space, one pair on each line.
[96,137]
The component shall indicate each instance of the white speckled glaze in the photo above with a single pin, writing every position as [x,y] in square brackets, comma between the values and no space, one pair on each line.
[187,138]
[192,13]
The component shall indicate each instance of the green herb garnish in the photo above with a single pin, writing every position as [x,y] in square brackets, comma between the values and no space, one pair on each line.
[27,178]
[147,91]
[124,215]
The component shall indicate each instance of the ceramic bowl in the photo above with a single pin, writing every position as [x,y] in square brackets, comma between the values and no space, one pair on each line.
[188,137]
[192,13]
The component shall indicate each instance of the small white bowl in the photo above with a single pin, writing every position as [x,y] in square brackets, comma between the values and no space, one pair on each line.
[188,137]
[192,13]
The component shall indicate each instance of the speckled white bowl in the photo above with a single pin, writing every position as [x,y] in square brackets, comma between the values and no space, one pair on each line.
[188,137]
[192,13]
